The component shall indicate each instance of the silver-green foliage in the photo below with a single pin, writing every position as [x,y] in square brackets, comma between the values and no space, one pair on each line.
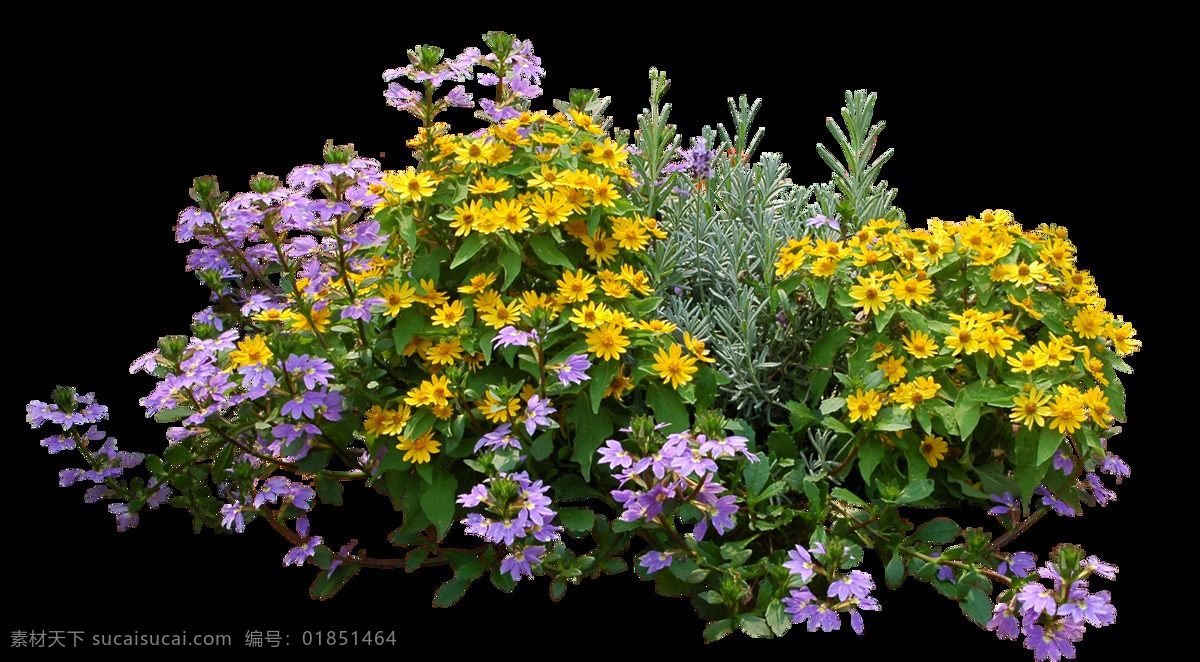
[716,269]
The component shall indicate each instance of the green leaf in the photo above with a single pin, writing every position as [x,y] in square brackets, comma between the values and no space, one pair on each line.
[755,474]
[601,376]
[172,415]
[966,412]
[831,405]
[326,584]
[827,346]
[591,429]
[668,407]
[870,452]
[469,248]
[429,266]
[893,419]
[882,319]
[977,606]
[939,531]
[544,247]
[915,491]
[1048,442]
[437,500]
[717,629]
[836,425]
[894,573]
[543,445]
[1116,397]
[778,618]
[576,519]
[1117,362]
[754,626]
[1091,440]
[846,495]
[820,287]
[510,259]
[451,591]
[178,454]
[406,326]
[329,490]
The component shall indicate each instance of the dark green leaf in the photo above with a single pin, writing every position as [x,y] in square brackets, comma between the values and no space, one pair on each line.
[915,491]
[437,500]
[469,248]
[544,247]
[894,573]
[939,531]
[576,519]
[718,629]
[329,489]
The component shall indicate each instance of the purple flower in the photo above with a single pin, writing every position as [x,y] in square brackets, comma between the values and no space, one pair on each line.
[537,413]
[232,517]
[721,511]
[1063,463]
[1020,564]
[1004,622]
[125,519]
[1048,499]
[510,335]
[801,563]
[819,220]
[614,455]
[1105,570]
[855,583]
[1115,466]
[572,371]
[313,371]
[459,98]
[343,552]
[653,560]
[1035,598]
[1053,641]
[1093,608]
[501,437]
[298,554]
[57,443]
[520,564]
[1102,494]
[1008,504]
[693,461]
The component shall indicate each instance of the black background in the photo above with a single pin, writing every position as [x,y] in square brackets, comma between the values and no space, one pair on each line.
[118,120]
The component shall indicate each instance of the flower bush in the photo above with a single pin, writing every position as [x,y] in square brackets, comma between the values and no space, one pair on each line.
[543,331]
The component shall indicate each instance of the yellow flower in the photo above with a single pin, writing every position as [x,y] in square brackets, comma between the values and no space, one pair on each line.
[502,314]
[1097,405]
[511,215]
[927,386]
[576,287]
[620,385]
[673,367]
[589,316]
[1089,322]
[432,297]
[615,289]
[417,345]
[271,315]
[607,342]
[610,154]
[419,450]
[547,179]
[920,345]
[472,151]
[445,352]
[496,412]
[913,292]
[1122,338]
[870,295]
[638,280]
[1027,362]
[397,296]
[994,342]
[320,318]
[629,234]
[605,192]
[697,347]
[438,389]
[893,368]
[934,448]
[449,314]
[864,405]
[1029,408]
[600,247]
[1066,413]
[250,352]
[550,208]
[466,215]
[375,420]
[486,185]
[657,326]
[413,186]
[479,283]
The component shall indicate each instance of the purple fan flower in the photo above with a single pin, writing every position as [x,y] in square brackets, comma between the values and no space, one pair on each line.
[1115,466]
[501,437]
[1105,570]
[1102,494]
[1048,499]
[819,220]
[537,413]
[520,564]
[1007,504]
[614,455]
[1004,622]
[510,335]
[572,371]
[1035,598]
[232,517]
[1063,463]
[125,519]
[1020,564]
[801,563]
[312,371]
[1053,641]
[297,555]
[855,583]
[653,561]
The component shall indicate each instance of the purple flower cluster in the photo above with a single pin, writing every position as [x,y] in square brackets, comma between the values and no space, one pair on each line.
[847,591]
[696,161]
[108,462]
[1052,619]
[519,513]
[682,469]
[525,514]
[275,489]
[302,552]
